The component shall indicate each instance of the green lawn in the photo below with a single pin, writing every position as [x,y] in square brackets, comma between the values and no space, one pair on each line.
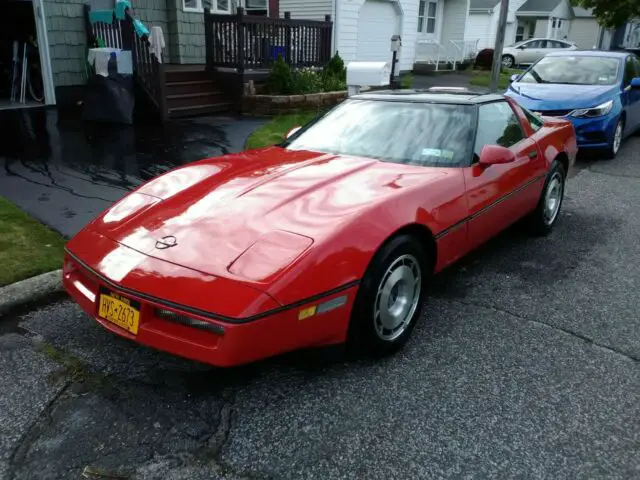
[274,131]
[27,248]
[482,78]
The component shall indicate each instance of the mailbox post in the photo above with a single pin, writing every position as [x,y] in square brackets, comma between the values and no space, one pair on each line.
[396,43]
[367,74]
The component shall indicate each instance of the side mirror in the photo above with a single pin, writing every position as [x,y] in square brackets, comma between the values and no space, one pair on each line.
[514,77]
[292,131]
[635,82]
[521,47]
[496,155]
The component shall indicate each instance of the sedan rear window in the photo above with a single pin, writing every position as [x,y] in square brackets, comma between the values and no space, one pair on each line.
[575,70]
[427,134]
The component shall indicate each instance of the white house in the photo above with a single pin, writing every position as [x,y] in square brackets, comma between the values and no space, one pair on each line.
[431,30]
[533,18]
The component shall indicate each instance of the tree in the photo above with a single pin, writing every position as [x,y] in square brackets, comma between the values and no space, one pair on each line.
[611,13]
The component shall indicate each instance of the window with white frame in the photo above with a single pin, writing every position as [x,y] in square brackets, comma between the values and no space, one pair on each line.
[217,6]
[257,7]
[427,12]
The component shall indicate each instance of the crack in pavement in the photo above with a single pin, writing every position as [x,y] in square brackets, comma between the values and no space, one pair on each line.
[566,331]
[43,420]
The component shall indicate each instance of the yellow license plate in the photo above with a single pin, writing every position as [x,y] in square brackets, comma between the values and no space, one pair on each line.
[119,311]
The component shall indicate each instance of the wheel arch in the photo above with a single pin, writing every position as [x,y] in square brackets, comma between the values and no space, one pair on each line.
[423,234]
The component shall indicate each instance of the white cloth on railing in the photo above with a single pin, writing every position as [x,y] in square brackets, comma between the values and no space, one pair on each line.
[157,42]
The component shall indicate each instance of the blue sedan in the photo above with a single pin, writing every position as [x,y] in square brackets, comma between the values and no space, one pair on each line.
[598,91]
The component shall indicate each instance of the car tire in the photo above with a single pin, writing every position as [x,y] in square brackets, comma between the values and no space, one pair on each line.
[508,61]
[542,220]
[616,141]
[390,297]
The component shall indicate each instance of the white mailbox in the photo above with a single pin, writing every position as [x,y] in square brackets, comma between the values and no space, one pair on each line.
[368,74]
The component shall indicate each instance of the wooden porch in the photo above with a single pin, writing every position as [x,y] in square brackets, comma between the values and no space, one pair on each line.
[239,48]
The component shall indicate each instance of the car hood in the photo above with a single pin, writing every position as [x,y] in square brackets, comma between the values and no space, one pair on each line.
[560,97]
[205,215]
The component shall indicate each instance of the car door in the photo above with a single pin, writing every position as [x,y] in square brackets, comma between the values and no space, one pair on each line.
[533,51]
[631,96]
[498,195]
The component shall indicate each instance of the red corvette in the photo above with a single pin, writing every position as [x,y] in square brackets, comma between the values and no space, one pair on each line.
[330,237]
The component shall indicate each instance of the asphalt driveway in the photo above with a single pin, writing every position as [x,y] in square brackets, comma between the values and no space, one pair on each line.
[526,364]
[64,171]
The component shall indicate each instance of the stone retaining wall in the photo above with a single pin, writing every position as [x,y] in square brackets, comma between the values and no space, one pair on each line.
[268,105]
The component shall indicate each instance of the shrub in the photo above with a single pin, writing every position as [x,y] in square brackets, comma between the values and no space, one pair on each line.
[335,68]
[484,59]
[285,81]
[280,78]
[305,80]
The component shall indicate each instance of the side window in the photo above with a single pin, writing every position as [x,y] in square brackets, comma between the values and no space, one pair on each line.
[537,44]
[629,71]
[556,44]
[497,125]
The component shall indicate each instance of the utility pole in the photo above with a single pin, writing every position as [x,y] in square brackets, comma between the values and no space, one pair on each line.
[497,51]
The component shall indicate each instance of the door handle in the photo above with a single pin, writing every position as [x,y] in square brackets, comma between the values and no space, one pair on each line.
[533,154]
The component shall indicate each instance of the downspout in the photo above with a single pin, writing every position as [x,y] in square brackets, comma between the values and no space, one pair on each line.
[334,35]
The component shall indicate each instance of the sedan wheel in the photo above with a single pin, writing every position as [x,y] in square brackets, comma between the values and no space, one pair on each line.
[616,141]
[389,300]
[508,61]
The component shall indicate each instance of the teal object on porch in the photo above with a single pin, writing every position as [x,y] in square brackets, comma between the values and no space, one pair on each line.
[121,7]
[104,16]
[141,30]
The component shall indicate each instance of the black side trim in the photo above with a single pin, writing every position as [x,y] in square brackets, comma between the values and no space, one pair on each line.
[456,225]
[211,315]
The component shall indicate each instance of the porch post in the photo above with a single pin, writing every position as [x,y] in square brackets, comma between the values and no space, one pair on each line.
[549,27]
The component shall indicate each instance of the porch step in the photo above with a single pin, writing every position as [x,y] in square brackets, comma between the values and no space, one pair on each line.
[196,110]
[192,86]
[186,73]
[194,99]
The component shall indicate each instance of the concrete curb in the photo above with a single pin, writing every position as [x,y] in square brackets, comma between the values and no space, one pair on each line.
[31,290]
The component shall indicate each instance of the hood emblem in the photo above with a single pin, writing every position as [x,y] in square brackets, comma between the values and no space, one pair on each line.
[166,242]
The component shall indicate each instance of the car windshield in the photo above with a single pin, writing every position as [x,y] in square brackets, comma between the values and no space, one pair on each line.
[574,70]
[427,134]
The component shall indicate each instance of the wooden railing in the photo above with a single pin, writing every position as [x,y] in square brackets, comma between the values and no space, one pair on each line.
[147,70]
[247,42]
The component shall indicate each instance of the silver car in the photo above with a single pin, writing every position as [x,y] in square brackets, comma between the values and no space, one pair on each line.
[530,51]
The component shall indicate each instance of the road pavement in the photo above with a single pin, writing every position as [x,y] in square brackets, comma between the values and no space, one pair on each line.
[525,364]
[64,171]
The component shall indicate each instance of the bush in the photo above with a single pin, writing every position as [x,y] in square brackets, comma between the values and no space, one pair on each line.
[306,80]
[484,59]
[335,68]
[285,81]
[280,77]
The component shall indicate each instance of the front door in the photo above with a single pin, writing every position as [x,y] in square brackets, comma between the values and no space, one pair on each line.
[498,195]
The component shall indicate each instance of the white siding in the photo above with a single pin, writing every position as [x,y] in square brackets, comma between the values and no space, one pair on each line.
[584,32]
[347,30]
[306,9]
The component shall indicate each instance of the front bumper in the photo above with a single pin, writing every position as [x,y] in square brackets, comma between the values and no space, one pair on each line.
[180,331]
[594,132]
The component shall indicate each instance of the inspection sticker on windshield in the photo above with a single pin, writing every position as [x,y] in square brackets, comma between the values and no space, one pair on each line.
[436,152]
